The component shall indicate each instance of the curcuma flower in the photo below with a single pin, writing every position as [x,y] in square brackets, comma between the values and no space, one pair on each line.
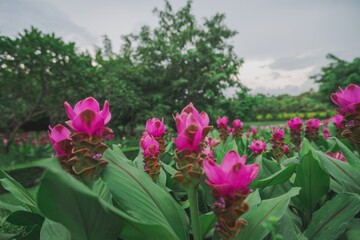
[257,146]
[222,122]
[60,139]
[337,120]
[232,176]
[151,151]
[337,155]
[149,145]
[295,124]
[230,186]
[312,129]
[86,116]
[155,127]
[237,131]
[348,99]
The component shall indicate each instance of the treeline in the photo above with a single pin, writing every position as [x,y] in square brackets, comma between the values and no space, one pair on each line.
[157,72]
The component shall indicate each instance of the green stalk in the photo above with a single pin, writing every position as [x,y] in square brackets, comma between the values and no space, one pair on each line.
[194,212]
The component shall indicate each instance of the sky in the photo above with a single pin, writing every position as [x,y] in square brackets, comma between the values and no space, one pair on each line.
[282,42]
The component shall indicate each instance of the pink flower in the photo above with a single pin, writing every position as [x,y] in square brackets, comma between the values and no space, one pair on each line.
[237,123]
[326,122]
[337,155]
[5,141]
[149,146]
[347,99]
[211,142]
[278,134]
[222,122]
[192,128]
[337,120]
[155,127]
[59,137]
[295,123]
[232,175]
[258,146]
[286,149]
[86,116]
[34,141]
[207,151]
[253,131]
[230,130]
[313,123]
[326,132]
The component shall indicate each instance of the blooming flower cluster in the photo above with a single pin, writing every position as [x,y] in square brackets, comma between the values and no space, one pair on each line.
[312,129]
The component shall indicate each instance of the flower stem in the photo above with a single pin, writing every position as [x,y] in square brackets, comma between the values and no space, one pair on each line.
[194,212]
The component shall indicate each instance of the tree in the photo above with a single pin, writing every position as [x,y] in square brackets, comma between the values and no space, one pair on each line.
[37,72]
[339,73]
[181,61]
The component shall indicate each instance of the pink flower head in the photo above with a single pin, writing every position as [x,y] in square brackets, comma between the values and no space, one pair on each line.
[5,141]
[326,132]
[313,123]
[86,116]
[237,123]
[58,136]
[337,155]
[286,149]
[211,142]
[192,128]
[347,99]
[326,122]
[337,120]
[253,131]
[232,175]
[207,150]
[278,134]
[295,124]
[149,146]
[230,130]
[258,146]
[155,127]
[222,122]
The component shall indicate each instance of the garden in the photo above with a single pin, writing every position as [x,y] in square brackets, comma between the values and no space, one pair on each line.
[145,144]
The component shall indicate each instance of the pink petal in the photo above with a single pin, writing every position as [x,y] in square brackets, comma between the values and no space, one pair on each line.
[230,159]
[69,110]
[105,113]
[89,103]
[88,122]
[213,172]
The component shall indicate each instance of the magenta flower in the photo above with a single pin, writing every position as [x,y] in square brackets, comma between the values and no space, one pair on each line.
[326,132]
[286,149]
[5,141]
[258,146]
[59,137]
[313,123]
[253,131]
[155,127]
[230,130]
[208,152]
[149,146]
[278,134]
[337,120]
[237,123]
[222,122]
[232,175]
[347,99]
[337,155]
[86,116]
[192,128]
[295,123]
[211,142]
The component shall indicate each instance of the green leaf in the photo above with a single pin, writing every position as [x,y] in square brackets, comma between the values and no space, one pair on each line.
[207,222]
[54,231]
[138,195]
[273,208]
[334,217]
[314,183]
[102,190]
[24,218]
[18,191]
[63,199]
[349,155]
[343,173]
[225,147]
[277,178]
[353,232]
[253,199]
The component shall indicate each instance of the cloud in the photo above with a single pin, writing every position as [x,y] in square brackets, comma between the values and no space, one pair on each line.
[17,15]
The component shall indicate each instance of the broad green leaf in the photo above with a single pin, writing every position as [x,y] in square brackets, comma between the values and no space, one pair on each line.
[253,199]
[7,236]
[101,189]
[207,223]
[24,218]
[314,183]
[353,232]
[225,147]
[138,195]
[343,173]
[268,209]
[334,217]
[63,199]
[54,231]
[277,178]
[18,191]
[349,155]
[285,227]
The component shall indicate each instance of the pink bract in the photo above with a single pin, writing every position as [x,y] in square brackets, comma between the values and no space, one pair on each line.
[347,99]
[313,123]
[257,146]
[337,155]
[149,146]
[337,120]
[326,132]
[222,122]
[278,134]
[86,116]
[237,123]
[57,135]
[295,123]
[232,175]
[155,127]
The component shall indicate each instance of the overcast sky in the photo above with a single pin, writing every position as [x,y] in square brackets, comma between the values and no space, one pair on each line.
[283,42]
